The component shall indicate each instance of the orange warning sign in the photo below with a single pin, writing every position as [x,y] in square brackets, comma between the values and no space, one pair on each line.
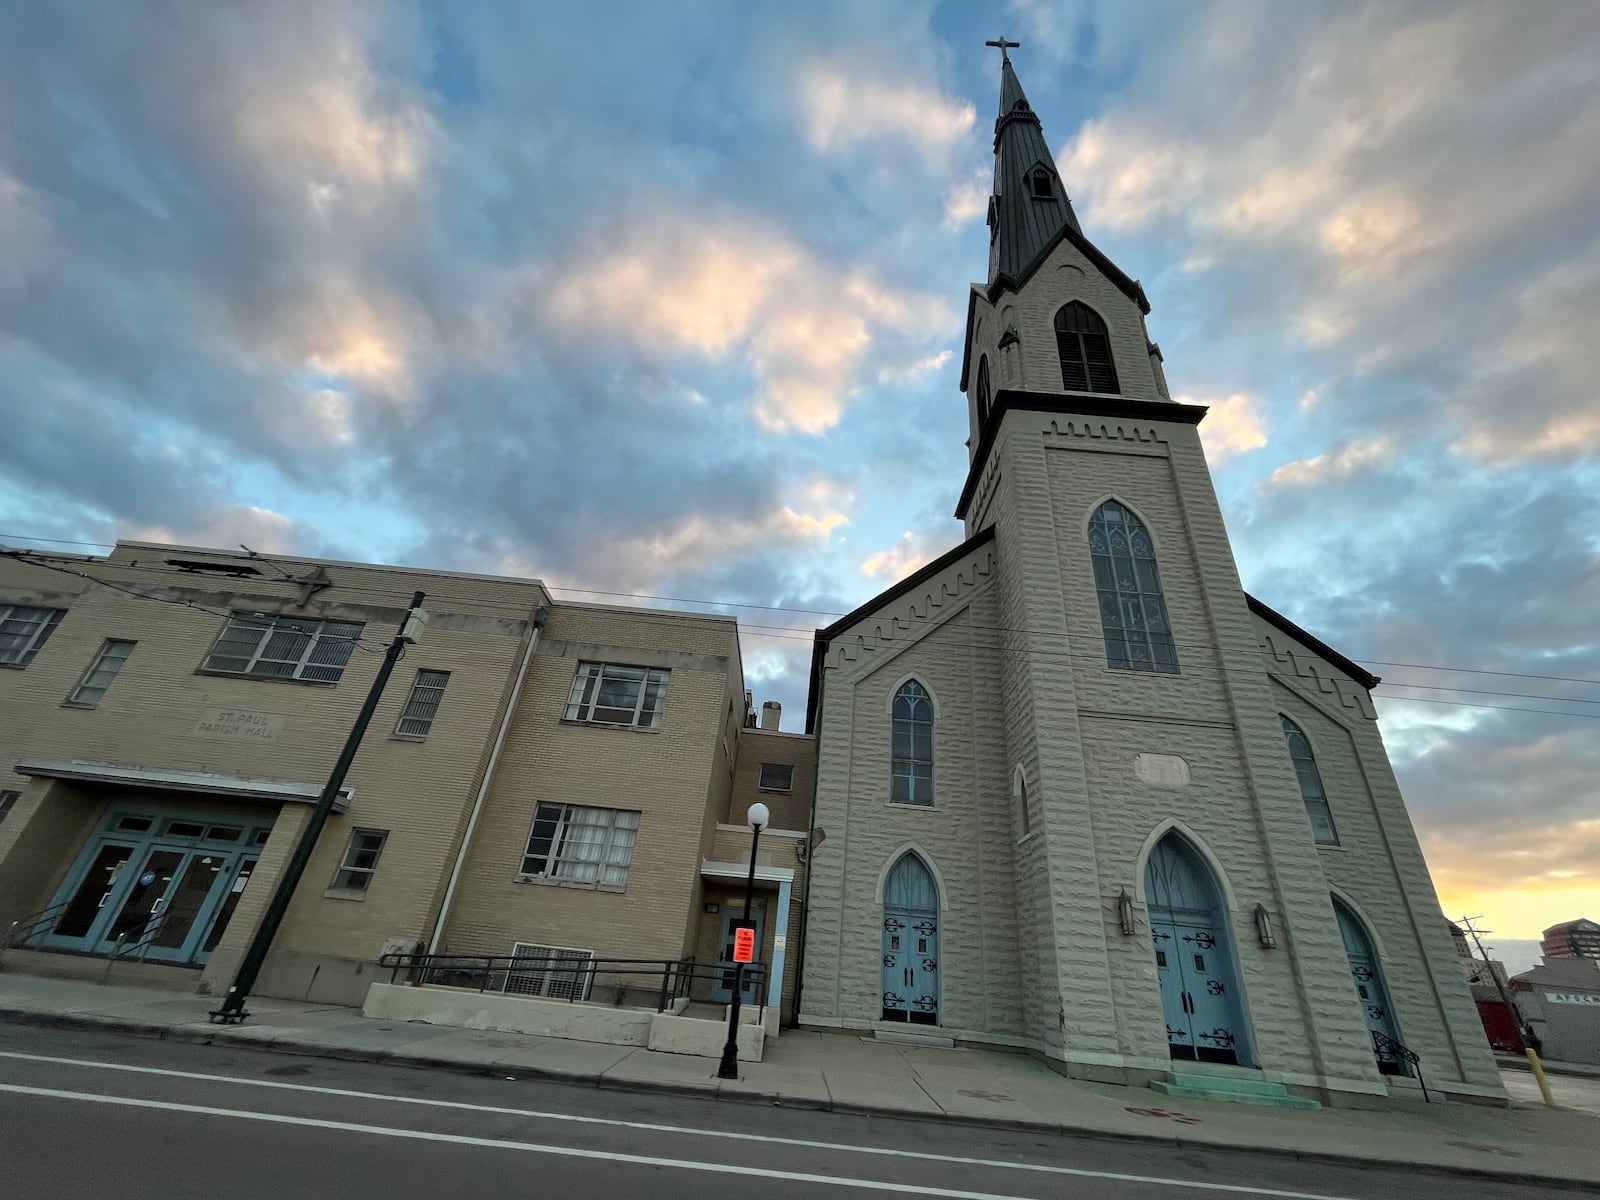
[744,945]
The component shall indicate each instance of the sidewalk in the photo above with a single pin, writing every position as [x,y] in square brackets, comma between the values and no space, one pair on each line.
[856,1075]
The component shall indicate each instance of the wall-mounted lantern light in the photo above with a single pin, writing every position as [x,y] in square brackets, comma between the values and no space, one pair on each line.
[1264,928]
[1125,913]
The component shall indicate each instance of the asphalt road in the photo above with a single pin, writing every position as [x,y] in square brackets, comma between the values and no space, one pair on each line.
[86,1114]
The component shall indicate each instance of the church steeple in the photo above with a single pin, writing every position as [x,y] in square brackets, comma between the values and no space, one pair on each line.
[1029,207]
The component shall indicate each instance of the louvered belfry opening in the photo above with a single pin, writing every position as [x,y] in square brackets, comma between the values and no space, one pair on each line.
[1085,349]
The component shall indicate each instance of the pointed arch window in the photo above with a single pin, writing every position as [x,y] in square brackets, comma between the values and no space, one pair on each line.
[983,390]
[1085,350]
[1305,768]
[1133,611]
[913,745]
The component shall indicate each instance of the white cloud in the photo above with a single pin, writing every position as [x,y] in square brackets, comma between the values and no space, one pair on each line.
[844,105]
[1332,464]
[227,527]
[968,199]
[1232,426]
[912,552]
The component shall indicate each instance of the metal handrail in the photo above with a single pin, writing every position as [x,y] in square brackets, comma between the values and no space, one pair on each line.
[1383,1044]
[575,977]
[30,926]
[149,931]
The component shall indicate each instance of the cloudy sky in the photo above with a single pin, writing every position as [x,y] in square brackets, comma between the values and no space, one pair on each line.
[667,299]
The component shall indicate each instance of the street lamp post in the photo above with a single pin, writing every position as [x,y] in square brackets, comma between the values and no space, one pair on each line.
[757,819]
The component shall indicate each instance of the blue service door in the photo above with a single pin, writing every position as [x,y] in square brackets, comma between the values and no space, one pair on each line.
[751,989]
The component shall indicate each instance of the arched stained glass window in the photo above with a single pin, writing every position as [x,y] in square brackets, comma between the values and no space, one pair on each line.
[983,390]
[1305,768]
[1133,612]
[913,745]
[1085,350]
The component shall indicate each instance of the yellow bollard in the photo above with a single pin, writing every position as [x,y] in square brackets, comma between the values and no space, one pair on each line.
[1538,1073]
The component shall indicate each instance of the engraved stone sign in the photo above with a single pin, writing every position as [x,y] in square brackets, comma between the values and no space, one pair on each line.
[236,725]
[1161,770]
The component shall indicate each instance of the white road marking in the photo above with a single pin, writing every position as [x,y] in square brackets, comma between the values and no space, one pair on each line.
[642,1160]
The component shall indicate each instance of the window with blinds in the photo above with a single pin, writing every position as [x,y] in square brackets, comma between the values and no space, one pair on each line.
[422,706]
[574,844]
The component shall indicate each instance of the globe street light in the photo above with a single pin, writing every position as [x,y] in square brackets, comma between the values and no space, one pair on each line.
[757,819]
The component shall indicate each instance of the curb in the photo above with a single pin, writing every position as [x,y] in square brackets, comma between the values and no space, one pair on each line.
[196,1035]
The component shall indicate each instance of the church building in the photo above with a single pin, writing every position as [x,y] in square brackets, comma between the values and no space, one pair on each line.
[1079,793]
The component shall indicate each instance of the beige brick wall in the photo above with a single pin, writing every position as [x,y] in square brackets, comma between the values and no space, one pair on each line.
[791,809]
[419,791]
[676,777]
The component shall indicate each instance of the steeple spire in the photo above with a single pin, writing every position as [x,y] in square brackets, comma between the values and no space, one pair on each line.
[1029,207]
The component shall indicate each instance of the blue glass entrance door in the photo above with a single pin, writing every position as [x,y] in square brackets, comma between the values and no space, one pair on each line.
[750,988]
[911,944]
[1367,975]
[1194,958]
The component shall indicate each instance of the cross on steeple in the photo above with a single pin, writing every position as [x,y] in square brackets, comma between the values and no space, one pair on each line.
[1003,47]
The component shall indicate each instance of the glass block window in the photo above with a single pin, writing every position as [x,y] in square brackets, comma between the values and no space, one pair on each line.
[1305,768]
[777,777]
[1133,612]
[283,648]
[1085,350]
[360,860]
[609,694]
[101,672]
[8,800]
[913,745]
[416,719]
[23,630]
[581,845]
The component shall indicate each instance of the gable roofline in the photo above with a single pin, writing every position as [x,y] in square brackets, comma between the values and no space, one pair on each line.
[1074,404]
[1316,645]
[1129,287]
[823,637]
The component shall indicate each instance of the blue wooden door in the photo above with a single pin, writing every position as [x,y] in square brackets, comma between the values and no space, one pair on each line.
[1367,976]
[910,944]
[1194,958]
[751,987]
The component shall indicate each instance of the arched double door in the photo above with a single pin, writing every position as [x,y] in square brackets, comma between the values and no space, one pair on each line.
[1194,957]
[911,943]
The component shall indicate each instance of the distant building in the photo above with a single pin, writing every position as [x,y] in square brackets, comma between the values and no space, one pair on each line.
[1560,1001]
[1572,939]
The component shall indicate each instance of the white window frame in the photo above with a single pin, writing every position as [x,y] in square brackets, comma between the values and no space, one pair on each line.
[786,786]
[332,638]
[1313,793]
[577,863]
[102,673]
[38,624]
[8,801]
[584,702]
[564,975]
[344,879]
[422,706]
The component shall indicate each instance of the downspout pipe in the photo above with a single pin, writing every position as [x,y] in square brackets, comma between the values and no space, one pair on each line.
[540,616]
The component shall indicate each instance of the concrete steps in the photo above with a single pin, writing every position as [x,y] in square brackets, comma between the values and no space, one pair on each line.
[1236,1089]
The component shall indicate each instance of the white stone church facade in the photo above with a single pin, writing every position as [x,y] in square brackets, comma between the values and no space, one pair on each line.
[1077,792]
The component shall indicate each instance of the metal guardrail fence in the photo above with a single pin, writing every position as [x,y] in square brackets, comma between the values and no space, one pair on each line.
[24,929]
[556,977]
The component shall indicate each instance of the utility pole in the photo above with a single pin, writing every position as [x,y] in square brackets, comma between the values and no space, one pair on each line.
[233,1011]
[1523,1031]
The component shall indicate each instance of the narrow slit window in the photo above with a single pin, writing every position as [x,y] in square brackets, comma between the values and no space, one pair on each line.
[982,390]
[1311,791]
[1019,794]
[97,679]
[1084,347]
[1133,611]
[422,706]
